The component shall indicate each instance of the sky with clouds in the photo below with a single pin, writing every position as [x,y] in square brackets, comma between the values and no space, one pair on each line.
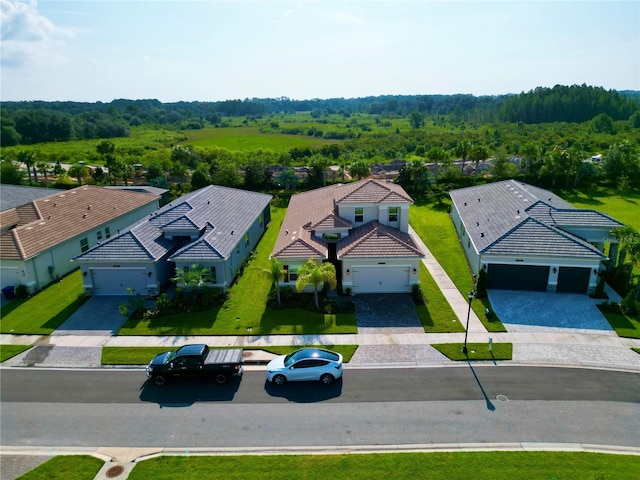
[208,50]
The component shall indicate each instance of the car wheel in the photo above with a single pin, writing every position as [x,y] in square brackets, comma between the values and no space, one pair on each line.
[220,378]
[159,380]
[279,380]
[327,379]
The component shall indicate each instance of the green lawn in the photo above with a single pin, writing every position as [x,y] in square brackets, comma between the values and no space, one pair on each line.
[432,223]
[9,351]
[409,466]
[476,351]
[41,314]
[142,355]
[436,315]
[67,467]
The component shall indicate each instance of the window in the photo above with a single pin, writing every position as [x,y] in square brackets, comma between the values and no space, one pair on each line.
[209,275]
[290,275]
[107,232]
[246,239]
[99,235]
[331,236]
[359,214]
[393,214]
[84,245]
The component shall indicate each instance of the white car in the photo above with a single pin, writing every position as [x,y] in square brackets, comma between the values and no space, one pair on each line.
[305,364]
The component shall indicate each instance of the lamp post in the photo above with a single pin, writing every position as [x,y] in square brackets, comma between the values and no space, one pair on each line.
[470,295]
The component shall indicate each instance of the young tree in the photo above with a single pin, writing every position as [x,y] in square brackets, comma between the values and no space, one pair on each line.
[416,119]
[276,274]
[478,153]
[287,179]
[437,155]
[359,169]
[316,275]
[462,150]
[78,171]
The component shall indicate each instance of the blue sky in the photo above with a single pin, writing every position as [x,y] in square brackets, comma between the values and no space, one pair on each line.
[217,50]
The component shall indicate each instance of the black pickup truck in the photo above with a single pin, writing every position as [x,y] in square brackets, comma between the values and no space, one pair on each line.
[196,360]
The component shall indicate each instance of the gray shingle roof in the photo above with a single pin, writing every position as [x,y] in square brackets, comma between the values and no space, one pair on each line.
[493,213]
[223,215]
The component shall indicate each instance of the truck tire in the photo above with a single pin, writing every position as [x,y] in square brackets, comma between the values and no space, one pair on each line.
[159,380]
[220,378]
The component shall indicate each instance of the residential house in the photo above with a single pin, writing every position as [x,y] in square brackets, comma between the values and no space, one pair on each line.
[214,227]
[527,238]
[360,227]
[39,238]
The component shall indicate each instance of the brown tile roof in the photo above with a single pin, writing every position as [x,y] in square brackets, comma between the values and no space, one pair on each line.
[317,209]
[375,240]
[51,220]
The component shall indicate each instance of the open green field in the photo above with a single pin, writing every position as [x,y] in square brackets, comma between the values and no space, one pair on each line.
[245,139]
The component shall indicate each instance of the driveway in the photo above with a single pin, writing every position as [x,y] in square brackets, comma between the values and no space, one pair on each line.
[99,315]
[523,311]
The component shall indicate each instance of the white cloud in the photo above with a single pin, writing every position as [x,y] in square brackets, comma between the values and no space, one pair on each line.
[29,38]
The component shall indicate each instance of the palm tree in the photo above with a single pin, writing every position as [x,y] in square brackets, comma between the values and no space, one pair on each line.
[276,274]
[29,160]
[43,168]
[462,150]
[313,274]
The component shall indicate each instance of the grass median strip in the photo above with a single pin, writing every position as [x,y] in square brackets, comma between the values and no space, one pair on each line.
[67,467]
[143,355]
[9,351]
[475,351]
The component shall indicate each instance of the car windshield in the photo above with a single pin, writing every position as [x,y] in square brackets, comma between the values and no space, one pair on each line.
[308,353]
[171,356]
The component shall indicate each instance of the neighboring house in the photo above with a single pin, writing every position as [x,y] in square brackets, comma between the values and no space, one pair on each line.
[214,227]
[360,227]
[527,238]
[39,239]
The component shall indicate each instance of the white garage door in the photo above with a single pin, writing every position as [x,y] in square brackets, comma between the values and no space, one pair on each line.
[381,279]
[116,281]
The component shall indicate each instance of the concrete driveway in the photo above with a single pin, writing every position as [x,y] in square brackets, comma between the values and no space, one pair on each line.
[99,315]
[537,311]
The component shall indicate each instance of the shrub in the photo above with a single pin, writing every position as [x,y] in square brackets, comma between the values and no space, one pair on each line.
[629,305]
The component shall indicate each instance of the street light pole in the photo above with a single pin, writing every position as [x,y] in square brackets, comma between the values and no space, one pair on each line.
[466,332]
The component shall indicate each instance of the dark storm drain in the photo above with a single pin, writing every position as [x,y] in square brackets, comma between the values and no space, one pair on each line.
[114,471]
[502,398]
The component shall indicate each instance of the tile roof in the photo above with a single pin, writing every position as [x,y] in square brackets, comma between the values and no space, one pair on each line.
[49,221]
[222,214]
[317,209]
[373,240]
[494,211]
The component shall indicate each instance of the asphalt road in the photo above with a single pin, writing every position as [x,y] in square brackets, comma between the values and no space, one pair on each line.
[369,407]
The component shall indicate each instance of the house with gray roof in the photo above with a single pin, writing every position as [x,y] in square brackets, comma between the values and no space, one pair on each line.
[360,227]
[214,227]
[527,238]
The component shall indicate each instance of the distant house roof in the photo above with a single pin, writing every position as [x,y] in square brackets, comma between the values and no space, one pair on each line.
[317,209]
[375,240]
[511,217]
[12,196]
[219,215]
[46,222]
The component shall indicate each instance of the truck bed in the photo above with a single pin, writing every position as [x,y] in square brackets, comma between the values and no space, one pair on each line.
[224,356]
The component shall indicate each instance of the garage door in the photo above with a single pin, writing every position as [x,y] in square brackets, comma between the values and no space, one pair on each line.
[573,280]
[381,279]
[115,281]
[518,277]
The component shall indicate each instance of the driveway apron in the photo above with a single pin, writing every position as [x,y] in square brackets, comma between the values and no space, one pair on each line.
[99,315]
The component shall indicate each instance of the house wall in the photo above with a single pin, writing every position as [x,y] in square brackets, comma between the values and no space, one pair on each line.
[473,257]
[377,212]
[36,273]
[294,264]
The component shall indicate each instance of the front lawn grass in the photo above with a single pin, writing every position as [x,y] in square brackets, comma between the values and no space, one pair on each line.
[476,351]
[436,315]
[624,325]
[432,223]
[67,467]
[10,351]
[410,466]
[42,313]
[143,355]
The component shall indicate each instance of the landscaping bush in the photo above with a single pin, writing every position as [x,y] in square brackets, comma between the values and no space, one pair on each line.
[629,305]
[21,291]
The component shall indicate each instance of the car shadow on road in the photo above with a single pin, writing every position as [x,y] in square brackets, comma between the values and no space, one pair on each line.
[184,392]
[305,392]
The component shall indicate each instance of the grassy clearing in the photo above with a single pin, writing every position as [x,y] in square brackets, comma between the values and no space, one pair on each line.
[432,223]
[72,467]
[10,351]
[436,315]
[435,466]
[246,139]
[142,355]
[41,314]
[476,351]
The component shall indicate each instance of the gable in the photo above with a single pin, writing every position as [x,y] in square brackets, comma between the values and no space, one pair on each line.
[373,240]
